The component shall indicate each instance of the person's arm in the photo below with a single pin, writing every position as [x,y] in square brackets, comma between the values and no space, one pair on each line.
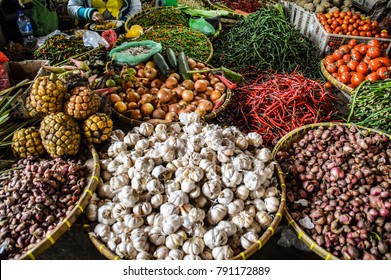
[77,9]
[135,7]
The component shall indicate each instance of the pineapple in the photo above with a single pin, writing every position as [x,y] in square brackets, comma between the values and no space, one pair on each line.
[60,135]
[47,94]
[27,142]
[97,128]
[82,103]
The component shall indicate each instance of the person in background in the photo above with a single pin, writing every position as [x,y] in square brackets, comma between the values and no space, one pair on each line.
[99,10]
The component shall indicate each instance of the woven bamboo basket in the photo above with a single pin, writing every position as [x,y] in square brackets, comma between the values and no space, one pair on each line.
[66,223]
[283,144]
[147,4]
[244,255]
[346,90]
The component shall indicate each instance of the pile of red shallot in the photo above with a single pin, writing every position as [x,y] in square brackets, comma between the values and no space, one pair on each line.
[338,184]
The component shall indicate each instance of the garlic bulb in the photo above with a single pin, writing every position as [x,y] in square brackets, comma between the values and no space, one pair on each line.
[248,239]
[207,165]
[230,176]
[157,200]
[156,236]
[242,162]
[113,165]
[195,192]
[264,155]
[113,242]
[133,221]
[211,189]
[226,226]
[254,139]
[154,186]
[234,240]
[214,238]
[128,196]
[193,159]
[194,246]
[103,232]
[187,223]
[144,164]
[251,210]
[242,192]
[119,181]
[161,173]
[141,145]
[188,185]
[174,241]
[195,173]
[259,204]
[143,255]
[197,214]
[118,227]
[126,250]
[243,219]
[178,198]
[171,186]
[142,209]
[216,213]
[175,254]
[252,181]
[145,129]
[208,154]
[141,243]
[191,257]
[241,142]
[105,215]
[272,204]
[255,227]
[117,135]
[225,196]
[131,139]
[271,191]
[119,210]
[168,208]
[235,207]
[259,193]
[104,163]
[206,254]
[105,175]
[193,128]
[198,230]
[174,129]
[222,252]
[92,212]
[115,148]
[155,219]
[161,252]
[172,223]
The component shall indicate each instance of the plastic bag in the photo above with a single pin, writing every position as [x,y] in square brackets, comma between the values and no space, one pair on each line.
[4,78]
[110,36]
[93,39]
[202,25]
[121,55]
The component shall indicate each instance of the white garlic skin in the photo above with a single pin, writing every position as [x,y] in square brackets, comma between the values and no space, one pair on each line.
[272,204]
[172,223]
[214,238]
[194,246]
[222,252]
[248,239]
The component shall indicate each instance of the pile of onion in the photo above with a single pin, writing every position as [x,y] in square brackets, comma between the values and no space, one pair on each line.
[155,97]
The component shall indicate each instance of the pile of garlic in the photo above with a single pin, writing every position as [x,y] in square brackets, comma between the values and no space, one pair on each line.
[184,191]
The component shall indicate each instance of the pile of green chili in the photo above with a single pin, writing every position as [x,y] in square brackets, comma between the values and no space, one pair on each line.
[194,43]
[371,105]
[265,40]
[160,16]
[58,48]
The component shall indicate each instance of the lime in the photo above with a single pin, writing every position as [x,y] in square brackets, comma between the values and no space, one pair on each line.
[110,83]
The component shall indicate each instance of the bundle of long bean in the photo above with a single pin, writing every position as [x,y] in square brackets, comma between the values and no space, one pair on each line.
[266,40]
[371,105]
[279,103]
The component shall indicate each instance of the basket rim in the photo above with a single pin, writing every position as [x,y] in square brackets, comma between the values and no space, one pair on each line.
[301,234]
[65,224]
[341,86]
[244,255]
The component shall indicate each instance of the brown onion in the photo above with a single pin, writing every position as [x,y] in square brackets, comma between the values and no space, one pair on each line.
[175,75]
[188,84]
[120,107]
[132,105]
[153,91]
[132,96]
[201,85]
[184,111]
[220,87]
[214,81]
[136,114]
[178,91]
[192,63]
[146,98]
[205,105]
[214,95]
[150,73]
[200,65]
[158,114]
[171,116]
[182,103]
[187,95]
[114,98]
[191,107]
[171,82]
[164,95]
[141,73]
[175,107]
[147,108]
[150,64]
[156,83]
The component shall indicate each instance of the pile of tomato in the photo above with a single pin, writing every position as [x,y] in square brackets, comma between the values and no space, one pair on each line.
[348,23]
[355,62]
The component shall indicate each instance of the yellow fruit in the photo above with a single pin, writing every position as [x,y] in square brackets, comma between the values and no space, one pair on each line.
[137,28]
[134,31]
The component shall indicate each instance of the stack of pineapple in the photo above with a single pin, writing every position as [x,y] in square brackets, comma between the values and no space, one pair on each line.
[66,117]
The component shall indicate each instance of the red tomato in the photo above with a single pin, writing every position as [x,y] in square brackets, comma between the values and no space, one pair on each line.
[363,49]
[331,68]
[356,55]
[373,77]
[340,62]
[352,64]
[345,77]
[328,59]
[374,52]
[384,34]
[385,61]
[346,58]
[357,79]
[352,42]
[343,69]
[328,85]
[345,49]
[362,68]
[374,64]
[337,55]
[383,73]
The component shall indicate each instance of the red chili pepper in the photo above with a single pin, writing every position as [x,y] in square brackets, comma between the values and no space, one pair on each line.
[226,82]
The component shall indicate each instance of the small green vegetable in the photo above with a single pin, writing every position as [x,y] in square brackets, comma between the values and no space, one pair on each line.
[171,58]
[161,64]
[183,66]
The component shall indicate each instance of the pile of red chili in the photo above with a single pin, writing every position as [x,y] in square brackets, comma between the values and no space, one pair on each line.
[279,103]
[248,6]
